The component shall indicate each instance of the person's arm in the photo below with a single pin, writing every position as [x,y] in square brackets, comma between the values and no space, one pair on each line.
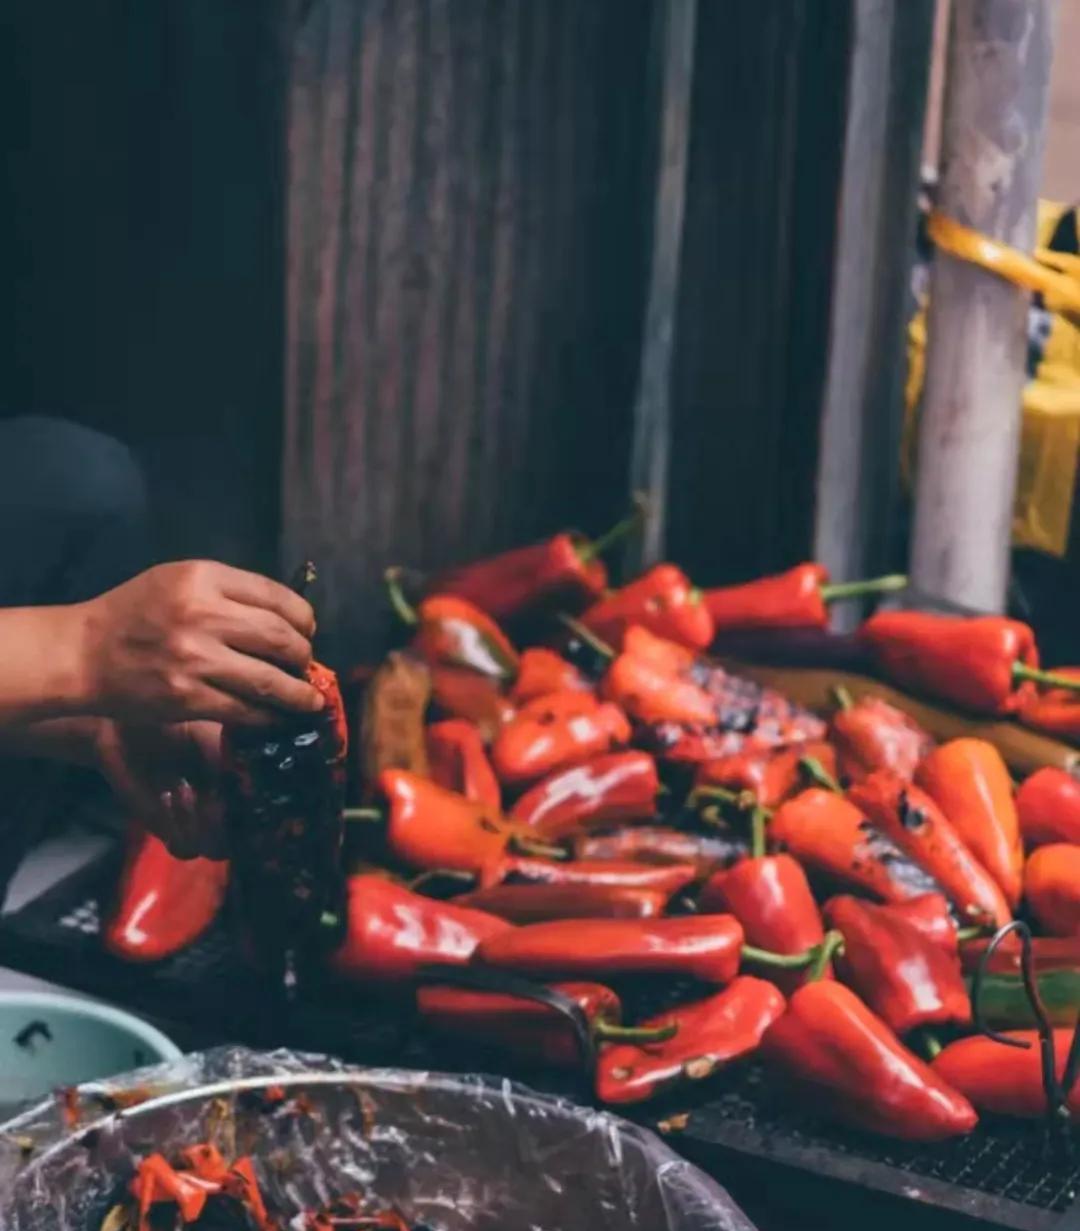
[186,641]
[74,741]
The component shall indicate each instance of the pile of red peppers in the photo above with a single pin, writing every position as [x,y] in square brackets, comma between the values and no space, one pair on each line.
[547,826]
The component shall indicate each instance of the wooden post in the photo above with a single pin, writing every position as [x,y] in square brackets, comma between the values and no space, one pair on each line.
[992,143]
[651,451]
[862,414]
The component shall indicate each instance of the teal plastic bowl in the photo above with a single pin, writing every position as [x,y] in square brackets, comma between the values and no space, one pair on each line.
[49,1040]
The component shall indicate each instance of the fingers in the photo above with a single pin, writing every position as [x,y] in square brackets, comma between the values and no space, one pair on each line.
[255,591]
[261,685]
[265,634]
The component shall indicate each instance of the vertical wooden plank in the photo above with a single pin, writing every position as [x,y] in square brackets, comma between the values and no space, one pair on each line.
[465,218]
[766,148]
[863,406]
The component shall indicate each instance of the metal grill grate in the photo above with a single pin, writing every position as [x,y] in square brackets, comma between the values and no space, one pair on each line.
[1008,1174]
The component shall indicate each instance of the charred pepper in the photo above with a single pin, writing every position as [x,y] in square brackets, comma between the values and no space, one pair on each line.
[392,722]
[871,734]
[770,775]
[711,1033]
[911,819]
[284,788]
[655,844]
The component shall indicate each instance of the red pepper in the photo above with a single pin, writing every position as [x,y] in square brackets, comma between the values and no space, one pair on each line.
[459,763]
[1048,954]
[654,844]
[538,902]
[555,706]
[770,896]
[971,784]
[669,878]
[451,631]
[565,565]
[1052,888]
[542,672]
[798,598]
[542,741]
[705,947]
[917,825]
[429,827]
[156,1182]
[1004,1080]
[162,903]
[621,786]
[871,734]
[458,692]
[849,1064]
[711,1034]
[663,600]
[770,775]
[906,978]
[529,1029]
[930,914]
[830,836]
[1056,711]
[1048,807]
[392,932]
[651,694]
[980,663]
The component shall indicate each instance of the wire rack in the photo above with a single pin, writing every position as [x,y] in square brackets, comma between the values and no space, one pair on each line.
[1006,1174]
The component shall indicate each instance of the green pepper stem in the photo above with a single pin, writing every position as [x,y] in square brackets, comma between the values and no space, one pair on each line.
[972,933]
[541,850]
[366,815]
[826,951]
[782,961]
[931,1044]
[819,775]
[587,635]
[434,874]
[836,590]
[1048,679]
[587,552]
[842,697]
[758,817]
[610,1032]
[406,612]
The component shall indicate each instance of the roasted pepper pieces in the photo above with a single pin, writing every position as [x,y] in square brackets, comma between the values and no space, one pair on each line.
[1048,807]
[393,933]
[711,1033]
[621,786]
[907,979]
[911,819]
[971,784]
[850,1065]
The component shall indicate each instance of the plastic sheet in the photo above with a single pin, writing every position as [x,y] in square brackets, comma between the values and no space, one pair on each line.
[454,1153]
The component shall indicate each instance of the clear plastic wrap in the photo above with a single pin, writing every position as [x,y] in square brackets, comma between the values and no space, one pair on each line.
[454,1153]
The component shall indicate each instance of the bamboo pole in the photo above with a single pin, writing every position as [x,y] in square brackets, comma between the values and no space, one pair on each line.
[994,122]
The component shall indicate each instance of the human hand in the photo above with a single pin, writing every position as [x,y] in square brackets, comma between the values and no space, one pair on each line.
[197,640]
[167,778]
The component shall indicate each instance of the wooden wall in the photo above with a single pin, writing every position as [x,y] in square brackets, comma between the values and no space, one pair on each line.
[469,224]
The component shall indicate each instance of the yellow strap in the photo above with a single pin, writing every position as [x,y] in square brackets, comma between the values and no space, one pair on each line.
[1059,286]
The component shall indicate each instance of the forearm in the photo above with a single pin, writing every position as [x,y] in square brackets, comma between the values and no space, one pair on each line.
[74,741]
[42,668]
